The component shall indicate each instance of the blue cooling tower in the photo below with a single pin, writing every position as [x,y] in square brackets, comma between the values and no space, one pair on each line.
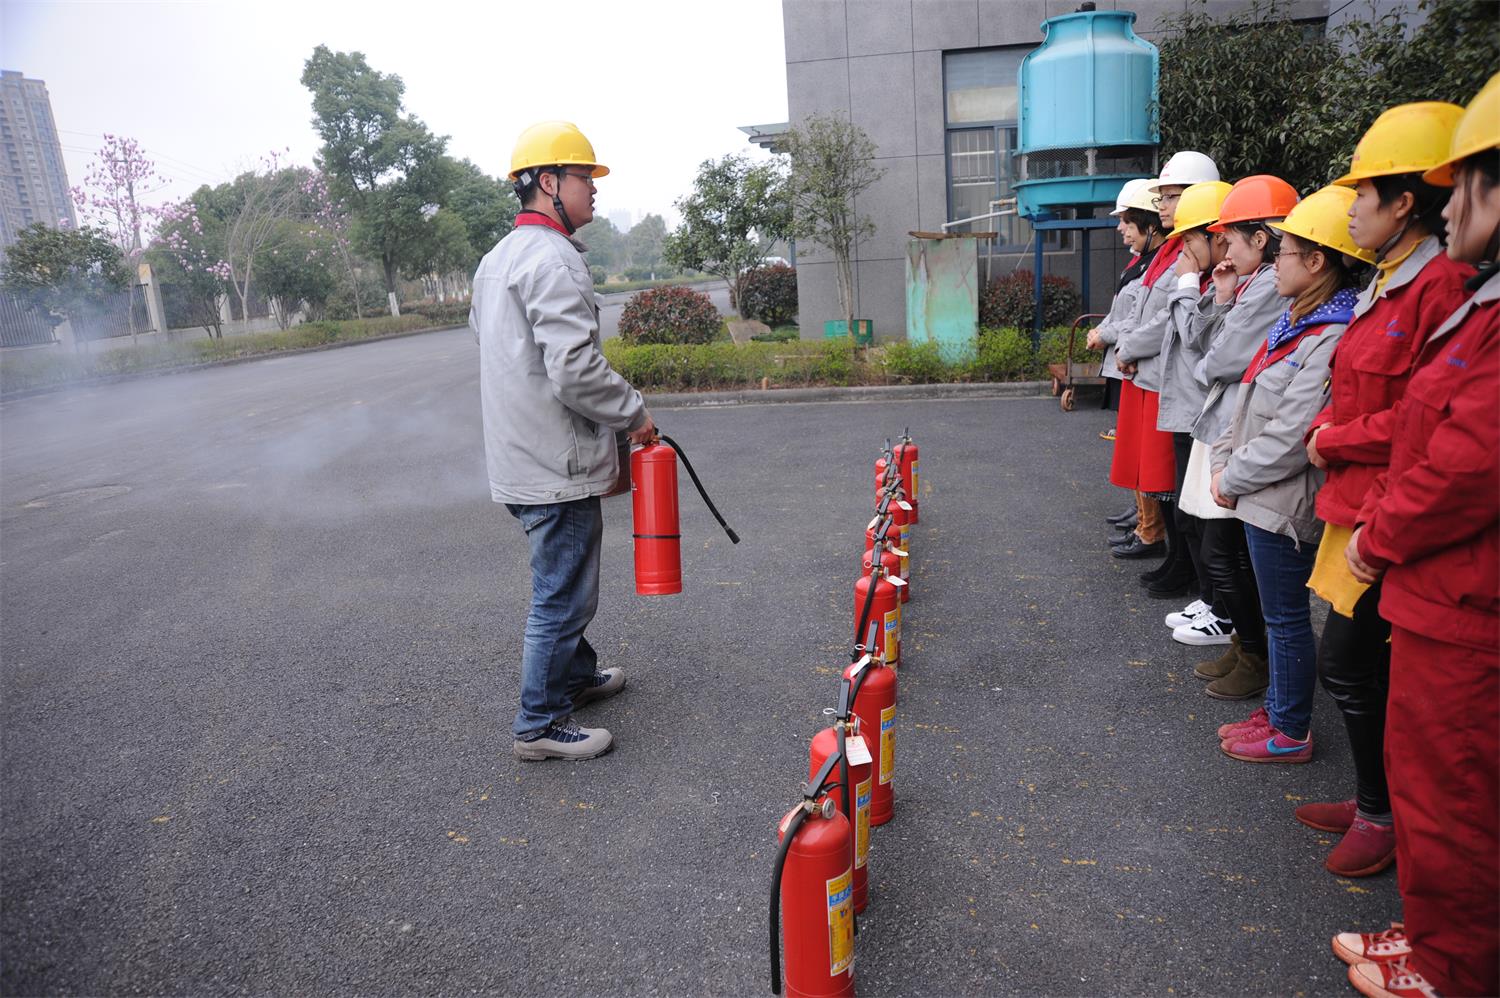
[1087,121]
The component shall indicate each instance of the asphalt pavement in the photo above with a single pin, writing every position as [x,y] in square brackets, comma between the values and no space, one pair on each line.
[261,627]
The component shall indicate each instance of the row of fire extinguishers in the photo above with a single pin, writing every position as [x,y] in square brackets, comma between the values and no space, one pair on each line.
[820,881]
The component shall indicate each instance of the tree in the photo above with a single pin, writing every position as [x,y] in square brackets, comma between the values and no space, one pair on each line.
[110,196]
[440,249]
[262,200]
[65,274]
[1300,102]
[331,216]
[737,209]
[387,165]
[832,165]
[486,206]
[298,267]
[606,244]
[644,243]
[188,255]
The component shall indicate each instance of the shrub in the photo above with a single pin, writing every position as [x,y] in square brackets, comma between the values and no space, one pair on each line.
[1008,301]
[781,334]
[598,275]
[1003,355]
[371,298]
[769,294]
[454,312]
[914,363]
[669,315]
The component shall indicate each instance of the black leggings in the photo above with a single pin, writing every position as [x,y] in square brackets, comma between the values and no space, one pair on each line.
[1189,529]
[1226,561]
[1354,662]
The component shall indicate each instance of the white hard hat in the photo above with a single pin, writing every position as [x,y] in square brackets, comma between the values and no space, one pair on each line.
[1135,194]
[1185,169]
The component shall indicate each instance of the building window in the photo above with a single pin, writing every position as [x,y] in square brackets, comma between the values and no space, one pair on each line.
[980,101]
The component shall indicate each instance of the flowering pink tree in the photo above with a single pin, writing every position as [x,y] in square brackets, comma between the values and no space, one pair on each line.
[112,193]
[111,197]
[330,216]
[193,250]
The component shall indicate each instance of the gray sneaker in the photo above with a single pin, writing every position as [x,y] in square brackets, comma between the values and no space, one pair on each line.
[603,686]
[564,740]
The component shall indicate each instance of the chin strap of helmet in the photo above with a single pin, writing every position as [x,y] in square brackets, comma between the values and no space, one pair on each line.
[557,205]
[526,178]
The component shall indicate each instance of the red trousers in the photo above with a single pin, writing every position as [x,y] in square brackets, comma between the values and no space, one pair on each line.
[1442,759]
[1143,458]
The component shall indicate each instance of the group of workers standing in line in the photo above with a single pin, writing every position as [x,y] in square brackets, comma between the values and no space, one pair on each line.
[1309,399]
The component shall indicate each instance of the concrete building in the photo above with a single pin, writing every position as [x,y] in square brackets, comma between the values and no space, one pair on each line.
[33,180]
[933,83]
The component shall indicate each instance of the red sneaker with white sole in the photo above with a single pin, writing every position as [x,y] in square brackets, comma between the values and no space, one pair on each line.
[1393,979]
[1372,947]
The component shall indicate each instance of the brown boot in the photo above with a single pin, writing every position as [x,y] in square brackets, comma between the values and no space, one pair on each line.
[1249,677]
[1223,665]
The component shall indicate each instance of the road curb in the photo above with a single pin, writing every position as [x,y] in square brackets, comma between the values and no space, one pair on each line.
[860,393]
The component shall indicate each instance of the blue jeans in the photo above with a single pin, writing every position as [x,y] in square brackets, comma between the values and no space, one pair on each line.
[557,659]
[1281,574]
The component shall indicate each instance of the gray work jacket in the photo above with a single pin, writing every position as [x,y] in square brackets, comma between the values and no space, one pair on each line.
[1121,311]
[1140,343]
[1182,347]
[550,400]
[1262,455]
[1233,333]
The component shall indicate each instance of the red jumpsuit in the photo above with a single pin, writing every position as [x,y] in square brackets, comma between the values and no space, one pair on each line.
[1432,523]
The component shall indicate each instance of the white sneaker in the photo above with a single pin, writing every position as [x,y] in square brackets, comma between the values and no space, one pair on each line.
[1205,629]
[1187,614]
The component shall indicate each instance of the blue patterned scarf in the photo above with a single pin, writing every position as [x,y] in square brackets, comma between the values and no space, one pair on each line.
[1339,308]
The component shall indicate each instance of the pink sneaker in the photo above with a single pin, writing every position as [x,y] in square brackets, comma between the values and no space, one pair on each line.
[1258,719]
[1372,947]
[1270,746]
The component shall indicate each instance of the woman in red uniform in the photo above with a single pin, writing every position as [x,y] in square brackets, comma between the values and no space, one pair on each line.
[1396,217]
[1431,530]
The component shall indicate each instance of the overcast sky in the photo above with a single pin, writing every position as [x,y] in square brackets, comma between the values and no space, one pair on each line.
[208,87]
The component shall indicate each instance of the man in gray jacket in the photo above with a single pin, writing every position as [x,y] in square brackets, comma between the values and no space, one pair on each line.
[552,406]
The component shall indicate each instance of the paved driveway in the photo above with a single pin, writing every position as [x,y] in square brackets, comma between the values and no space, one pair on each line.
[259,642]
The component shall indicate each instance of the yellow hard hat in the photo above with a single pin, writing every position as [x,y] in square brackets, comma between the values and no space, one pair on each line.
[1199,206]
[1478,130]
[1323,218]
[1407,138]
[554,143]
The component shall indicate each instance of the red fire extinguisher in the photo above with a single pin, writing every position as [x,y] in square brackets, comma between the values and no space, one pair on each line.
[873,692]
[812,895]
[898,533]
[855,780]
[877,600]
[653,499]
[891,559]
[906,456]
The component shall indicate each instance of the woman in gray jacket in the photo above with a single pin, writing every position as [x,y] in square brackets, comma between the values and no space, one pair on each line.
[1261,471]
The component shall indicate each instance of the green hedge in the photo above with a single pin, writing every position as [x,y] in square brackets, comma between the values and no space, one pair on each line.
[1001,355]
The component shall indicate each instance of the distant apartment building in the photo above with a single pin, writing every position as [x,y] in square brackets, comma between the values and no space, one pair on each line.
[33,180]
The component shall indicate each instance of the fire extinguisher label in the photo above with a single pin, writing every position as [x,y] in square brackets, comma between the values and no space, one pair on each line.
[840,923]
[893,634]
[887,743]
[914,481]
[861,824]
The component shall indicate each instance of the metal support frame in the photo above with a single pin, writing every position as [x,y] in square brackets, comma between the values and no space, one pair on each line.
[1083,225]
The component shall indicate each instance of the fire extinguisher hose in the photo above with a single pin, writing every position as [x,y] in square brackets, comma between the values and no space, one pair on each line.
[815,786]
[733,537]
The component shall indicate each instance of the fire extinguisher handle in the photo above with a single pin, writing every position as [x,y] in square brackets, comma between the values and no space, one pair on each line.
[733,537]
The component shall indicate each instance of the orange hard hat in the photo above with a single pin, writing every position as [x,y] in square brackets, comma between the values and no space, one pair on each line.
[1255,199]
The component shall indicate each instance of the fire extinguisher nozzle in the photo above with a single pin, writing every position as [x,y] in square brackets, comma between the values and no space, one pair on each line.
[734,537]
